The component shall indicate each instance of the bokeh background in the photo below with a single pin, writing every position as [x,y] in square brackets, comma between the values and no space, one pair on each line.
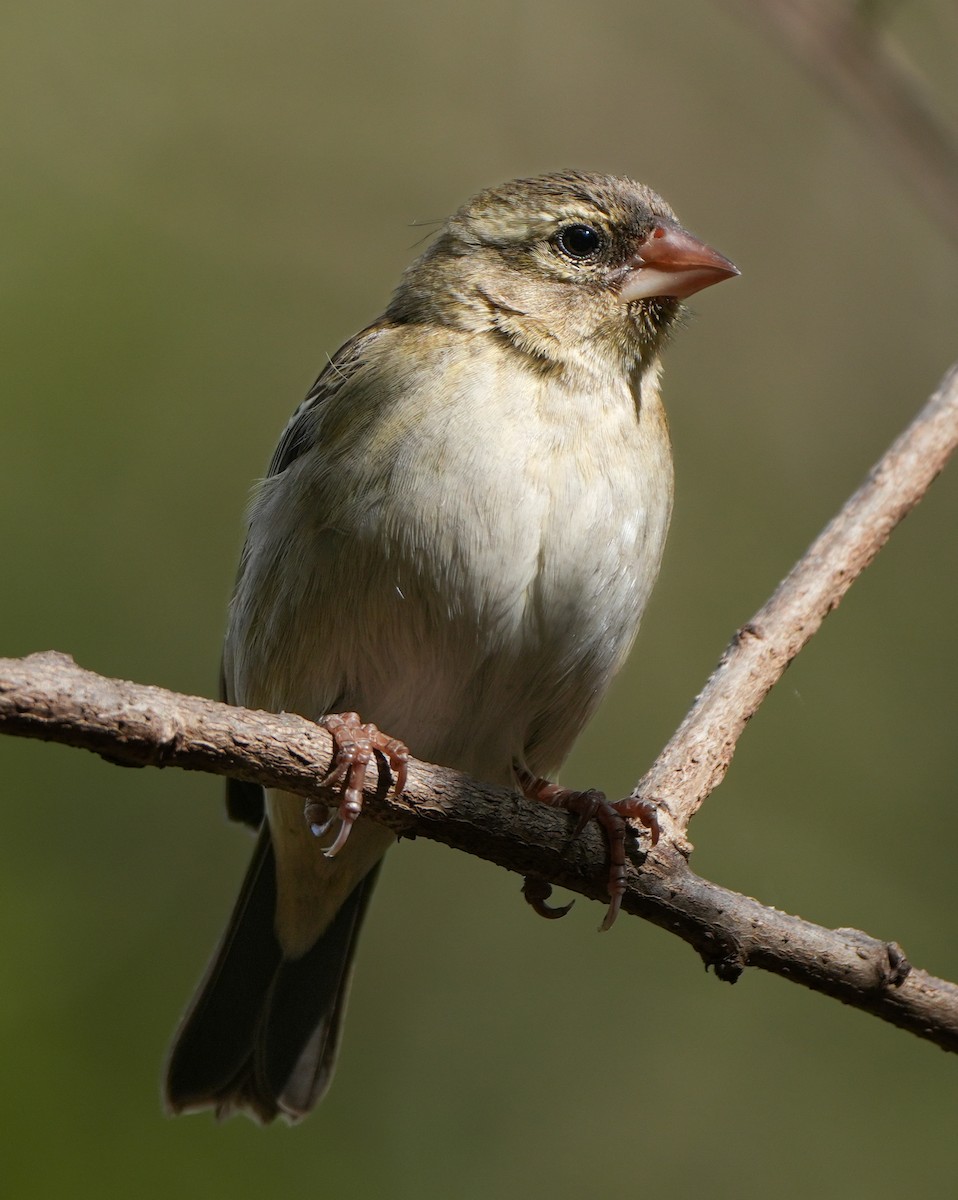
[200,202]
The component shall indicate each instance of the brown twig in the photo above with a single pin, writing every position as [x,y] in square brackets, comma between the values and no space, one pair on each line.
[48,696]
[697,757]
[843,46]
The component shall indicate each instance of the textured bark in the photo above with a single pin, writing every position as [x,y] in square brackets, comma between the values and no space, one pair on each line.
[48,696]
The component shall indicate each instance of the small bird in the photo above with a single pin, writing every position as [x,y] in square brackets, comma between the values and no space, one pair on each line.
[456,538]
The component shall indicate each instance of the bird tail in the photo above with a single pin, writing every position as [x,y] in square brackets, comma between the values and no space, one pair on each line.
[263,1030]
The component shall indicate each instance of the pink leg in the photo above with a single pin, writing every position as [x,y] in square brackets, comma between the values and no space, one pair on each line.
[354,747]
[644,811]
[588,806]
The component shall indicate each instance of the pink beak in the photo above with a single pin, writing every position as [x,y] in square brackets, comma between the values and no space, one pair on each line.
[672,262]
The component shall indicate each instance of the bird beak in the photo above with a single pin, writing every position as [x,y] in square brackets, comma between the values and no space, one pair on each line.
[671,262]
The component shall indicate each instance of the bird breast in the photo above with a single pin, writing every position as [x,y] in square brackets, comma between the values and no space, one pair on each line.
[481,549]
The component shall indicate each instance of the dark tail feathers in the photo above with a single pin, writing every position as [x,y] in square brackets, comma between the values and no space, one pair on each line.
[261,1036]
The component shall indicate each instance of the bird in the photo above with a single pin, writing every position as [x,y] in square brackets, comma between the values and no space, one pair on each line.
[449,556]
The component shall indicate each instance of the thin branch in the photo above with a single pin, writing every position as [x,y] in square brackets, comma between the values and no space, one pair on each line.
[697,758]
[842,44]
[48,696]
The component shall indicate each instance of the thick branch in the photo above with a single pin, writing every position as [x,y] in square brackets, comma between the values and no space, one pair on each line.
[47,696]
[696,759]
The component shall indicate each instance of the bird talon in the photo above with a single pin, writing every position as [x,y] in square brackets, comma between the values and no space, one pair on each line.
[318,817]
[536,893]
[345,827]
[355,745]
[646,812]
[586,806]
[616,892]
[336,774]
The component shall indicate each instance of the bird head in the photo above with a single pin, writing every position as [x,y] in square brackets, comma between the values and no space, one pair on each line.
[568,265]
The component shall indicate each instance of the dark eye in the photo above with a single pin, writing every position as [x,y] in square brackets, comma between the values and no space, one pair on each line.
[579,241]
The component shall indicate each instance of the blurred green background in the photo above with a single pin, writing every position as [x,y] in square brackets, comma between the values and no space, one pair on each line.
[200,202]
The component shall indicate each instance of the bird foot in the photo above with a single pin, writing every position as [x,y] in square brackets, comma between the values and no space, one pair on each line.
[588,806]
[354,747]
[537,893]
[646,812]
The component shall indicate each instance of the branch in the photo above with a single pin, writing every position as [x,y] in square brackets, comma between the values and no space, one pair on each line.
[48,696]
[698,756]
[840,43]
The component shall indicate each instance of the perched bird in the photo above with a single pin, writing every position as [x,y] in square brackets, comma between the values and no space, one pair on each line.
[456,538]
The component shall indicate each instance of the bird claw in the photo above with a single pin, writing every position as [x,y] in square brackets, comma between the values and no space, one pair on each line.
[587,805]
[591,806]
[537,892]
[355,745]
[318,817]
[646,812]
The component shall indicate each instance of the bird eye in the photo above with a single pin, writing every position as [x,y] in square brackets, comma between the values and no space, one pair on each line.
[579,241]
